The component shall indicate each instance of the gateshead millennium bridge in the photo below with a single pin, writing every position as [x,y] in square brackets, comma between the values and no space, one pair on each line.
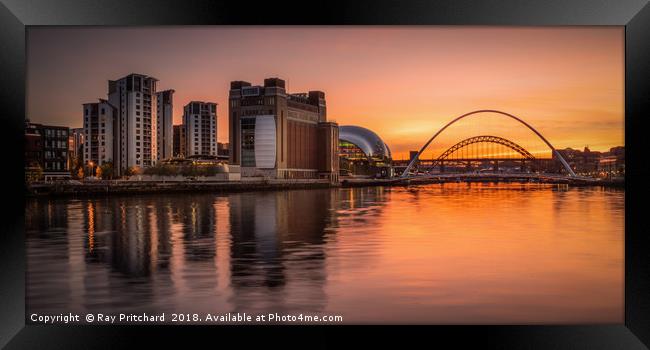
[471,150]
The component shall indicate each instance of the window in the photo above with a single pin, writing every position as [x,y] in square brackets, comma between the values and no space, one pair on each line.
[103,111]
[248,142]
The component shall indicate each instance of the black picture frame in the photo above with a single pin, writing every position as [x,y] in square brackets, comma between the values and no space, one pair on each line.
[16,15]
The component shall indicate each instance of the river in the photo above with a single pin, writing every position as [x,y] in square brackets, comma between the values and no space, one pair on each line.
[432,254]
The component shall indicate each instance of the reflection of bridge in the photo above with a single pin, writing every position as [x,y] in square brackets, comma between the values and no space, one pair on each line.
[470,153]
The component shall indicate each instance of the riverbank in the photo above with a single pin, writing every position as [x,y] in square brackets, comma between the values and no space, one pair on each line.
[141,187]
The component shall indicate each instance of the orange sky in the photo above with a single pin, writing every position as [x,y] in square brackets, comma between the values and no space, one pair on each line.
[404,83]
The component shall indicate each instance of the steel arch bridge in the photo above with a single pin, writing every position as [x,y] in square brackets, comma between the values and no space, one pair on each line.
[486,139]
[506,143]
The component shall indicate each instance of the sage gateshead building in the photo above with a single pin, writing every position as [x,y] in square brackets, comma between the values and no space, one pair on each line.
[275,134]
[362,152]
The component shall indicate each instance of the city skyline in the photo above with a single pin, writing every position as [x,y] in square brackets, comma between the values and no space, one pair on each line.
[403,83]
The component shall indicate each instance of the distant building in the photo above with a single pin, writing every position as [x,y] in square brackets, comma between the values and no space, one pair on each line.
[179,141]
[100,139]
[412,155]
[200,123]
[164,132]
[75,147]
[46,152]
[280,135]
[223,151]
[583,162]
[134,98]
[33,152]
[612,164]
[618,152]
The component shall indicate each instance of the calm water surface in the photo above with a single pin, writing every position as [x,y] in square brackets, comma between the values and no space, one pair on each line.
[453,253]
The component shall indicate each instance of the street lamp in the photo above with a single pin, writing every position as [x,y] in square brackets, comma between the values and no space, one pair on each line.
[92,167]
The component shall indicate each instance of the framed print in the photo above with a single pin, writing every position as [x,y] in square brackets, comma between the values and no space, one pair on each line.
[453,171]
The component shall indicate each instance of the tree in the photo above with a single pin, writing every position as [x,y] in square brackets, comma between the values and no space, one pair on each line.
[134,170]
[105,171]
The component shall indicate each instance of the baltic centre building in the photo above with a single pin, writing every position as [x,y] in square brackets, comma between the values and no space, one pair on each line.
[275,134]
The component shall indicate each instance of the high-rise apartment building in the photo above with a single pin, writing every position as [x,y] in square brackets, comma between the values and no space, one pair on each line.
[200,123]
[164,131]
[100,141]
[134,98]
[281,135]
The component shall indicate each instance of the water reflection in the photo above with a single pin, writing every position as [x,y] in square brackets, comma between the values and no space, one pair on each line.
[458,253]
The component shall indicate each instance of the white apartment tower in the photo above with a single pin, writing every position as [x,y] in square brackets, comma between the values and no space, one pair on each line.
[165,129]
[200,123]
[135,128]
[99,140]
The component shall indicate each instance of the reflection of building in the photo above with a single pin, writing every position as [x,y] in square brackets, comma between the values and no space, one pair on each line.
[200,123]
[179,140]
[277,251]
[280,135]
[100,141]
[46,151]
[362,152]
[164,132]
[48,263]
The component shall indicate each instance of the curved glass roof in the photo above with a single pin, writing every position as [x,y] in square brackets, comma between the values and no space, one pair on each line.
[371,144]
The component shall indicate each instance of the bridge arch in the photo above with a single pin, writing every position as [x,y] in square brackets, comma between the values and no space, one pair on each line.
[486,139]
[417,156]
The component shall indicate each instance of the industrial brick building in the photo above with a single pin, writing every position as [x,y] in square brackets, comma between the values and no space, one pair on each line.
[280,135]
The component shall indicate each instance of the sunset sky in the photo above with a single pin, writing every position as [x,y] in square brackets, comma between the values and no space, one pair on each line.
[404,83]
